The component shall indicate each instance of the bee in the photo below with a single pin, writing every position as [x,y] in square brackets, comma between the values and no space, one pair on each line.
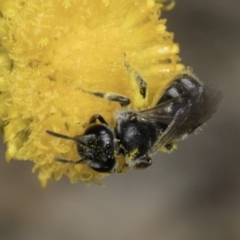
[185,105]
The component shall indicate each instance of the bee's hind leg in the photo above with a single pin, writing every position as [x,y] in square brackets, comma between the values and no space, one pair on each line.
[137,77]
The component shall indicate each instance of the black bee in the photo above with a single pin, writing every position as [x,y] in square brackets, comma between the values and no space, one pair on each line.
[96,146]
[185,105]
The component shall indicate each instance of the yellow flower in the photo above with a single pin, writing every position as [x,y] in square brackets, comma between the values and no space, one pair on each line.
[51,49]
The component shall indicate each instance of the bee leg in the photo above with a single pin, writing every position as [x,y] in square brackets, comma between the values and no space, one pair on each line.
[169,147]
[124,101]
[98,117]
[141,83]
[63,160]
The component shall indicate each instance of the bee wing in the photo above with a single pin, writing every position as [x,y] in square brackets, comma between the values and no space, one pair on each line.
[162,113]
[172,131]
[189,112]
[209,103]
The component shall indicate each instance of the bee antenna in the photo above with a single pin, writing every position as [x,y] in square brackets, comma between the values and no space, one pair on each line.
[59,135]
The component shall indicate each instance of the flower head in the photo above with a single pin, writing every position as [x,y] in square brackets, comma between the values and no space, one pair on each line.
[50,50]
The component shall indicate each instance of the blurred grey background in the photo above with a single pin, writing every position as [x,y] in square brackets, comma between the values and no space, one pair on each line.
[191,194]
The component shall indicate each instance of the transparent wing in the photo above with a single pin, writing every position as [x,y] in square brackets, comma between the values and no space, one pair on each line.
[189,111]
[210,101]
[172,132]
[164,112]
